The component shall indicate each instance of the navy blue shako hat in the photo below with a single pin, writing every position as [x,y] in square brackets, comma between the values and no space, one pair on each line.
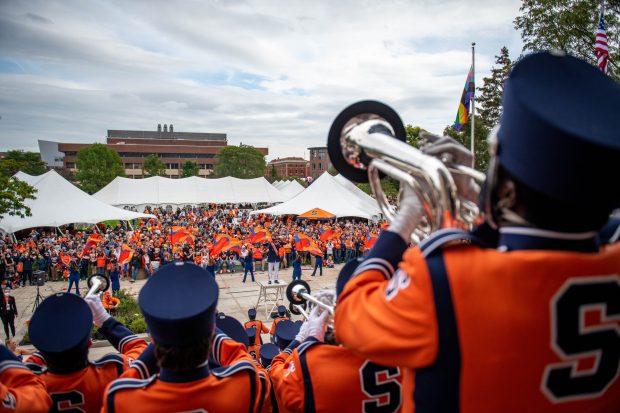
[252,313]
[267,354]
[286,331]
[558,131]
[232,328]
[61,324]
[178,303]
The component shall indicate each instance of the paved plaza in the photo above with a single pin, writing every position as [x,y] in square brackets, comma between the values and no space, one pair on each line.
[235,298]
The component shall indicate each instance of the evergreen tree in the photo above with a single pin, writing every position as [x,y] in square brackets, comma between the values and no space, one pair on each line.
[490,98]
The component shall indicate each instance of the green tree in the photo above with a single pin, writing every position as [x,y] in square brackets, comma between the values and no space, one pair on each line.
[13,193]
[189,169]
[241,161]
[390,186]
[490,98]
[153,166]
[28,162]
[96,166]
[481,147]
[569,25]
[413,134]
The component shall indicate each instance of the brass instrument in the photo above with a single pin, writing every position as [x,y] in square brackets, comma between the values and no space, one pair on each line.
[301,302]
[367,141]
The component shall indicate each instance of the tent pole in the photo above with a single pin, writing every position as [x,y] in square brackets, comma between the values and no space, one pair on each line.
[58,228]
[14,237]
[130,226]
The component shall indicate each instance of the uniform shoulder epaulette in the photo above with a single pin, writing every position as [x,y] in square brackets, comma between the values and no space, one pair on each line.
[121,384]
[36,368]
[234,368]
[307,344]
[448,236]
[109,358]
[11,364]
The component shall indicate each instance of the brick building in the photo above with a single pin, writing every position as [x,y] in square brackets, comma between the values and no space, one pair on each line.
[289,167]
[173,148]
[319,161]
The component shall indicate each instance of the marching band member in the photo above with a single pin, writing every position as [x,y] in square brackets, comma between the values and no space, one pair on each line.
[21,391]
[184,335]
[511,328]
[60,329]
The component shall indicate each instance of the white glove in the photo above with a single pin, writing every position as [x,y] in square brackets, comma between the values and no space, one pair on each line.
[303,332]
[410,212]
[316,323]
[449,150]
[96,307]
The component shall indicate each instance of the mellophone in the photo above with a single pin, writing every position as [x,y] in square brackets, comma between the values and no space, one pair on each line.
[367,142]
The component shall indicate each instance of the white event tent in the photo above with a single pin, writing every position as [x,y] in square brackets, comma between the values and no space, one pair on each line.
[290,189]
[159,191]
[59,202]
[326,193]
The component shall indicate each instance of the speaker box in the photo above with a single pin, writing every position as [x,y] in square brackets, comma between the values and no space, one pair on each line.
[39,278]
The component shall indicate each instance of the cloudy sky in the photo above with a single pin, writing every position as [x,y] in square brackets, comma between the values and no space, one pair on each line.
[267,73]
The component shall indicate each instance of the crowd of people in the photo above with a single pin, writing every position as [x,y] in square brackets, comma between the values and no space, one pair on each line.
[75,254]
[518,314]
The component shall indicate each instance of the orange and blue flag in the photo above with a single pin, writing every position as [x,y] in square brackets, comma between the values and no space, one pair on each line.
[259,235]
[326,232]
[126,254]
[180,235]
[462,114]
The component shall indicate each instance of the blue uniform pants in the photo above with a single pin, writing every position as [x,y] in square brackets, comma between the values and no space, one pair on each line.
[74,281]
[248,267]
[318,264]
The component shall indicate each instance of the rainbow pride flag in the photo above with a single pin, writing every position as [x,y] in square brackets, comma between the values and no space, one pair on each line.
[462,114]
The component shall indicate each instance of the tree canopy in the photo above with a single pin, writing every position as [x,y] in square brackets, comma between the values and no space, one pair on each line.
[490,98]
[153,166]
[189,169]
[413,134]
[28,162]
[241,161]
[97,165]
[481,147]
[13,193]
[569,25]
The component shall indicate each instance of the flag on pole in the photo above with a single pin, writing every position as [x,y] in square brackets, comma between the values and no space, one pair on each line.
[462,114]
[600,45]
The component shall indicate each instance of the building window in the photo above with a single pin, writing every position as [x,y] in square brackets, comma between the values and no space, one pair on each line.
[70,165]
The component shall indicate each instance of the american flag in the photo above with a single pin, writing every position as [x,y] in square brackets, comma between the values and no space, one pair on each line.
[600,46]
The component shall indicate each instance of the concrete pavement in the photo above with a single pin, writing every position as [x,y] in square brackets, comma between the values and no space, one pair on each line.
[235,299]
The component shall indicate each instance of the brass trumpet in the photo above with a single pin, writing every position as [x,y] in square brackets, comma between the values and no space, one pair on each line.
[301,302]
[367,141]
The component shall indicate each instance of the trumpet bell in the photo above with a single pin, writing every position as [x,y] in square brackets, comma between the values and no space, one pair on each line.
[349,159]
[294,291]
[294,308]
[104,283]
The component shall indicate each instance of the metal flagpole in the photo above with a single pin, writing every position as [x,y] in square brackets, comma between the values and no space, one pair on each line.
[473,106]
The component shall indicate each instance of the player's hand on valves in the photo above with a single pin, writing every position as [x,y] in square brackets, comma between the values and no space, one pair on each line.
[317,323]
[449,151]
[303,332]
[100,315]
[410,212]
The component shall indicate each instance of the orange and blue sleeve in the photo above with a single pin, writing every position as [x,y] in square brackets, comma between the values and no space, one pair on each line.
[21,391]
[395,304]
[225,351]
[288,381]
[125,341]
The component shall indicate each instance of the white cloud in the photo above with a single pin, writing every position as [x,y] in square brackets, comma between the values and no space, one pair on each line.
[267,73]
